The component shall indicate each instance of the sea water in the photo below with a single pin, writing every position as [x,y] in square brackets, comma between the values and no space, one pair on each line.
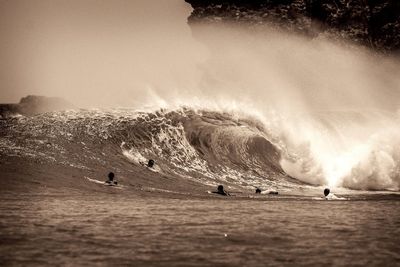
[105,230]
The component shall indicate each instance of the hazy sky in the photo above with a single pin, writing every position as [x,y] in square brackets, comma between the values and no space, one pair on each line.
[92,51]
[142,53]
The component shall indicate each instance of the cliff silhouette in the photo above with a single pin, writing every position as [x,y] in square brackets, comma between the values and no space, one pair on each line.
[371,23]
[32,105]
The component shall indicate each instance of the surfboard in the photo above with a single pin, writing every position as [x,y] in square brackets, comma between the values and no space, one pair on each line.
[103,183]
[330,198]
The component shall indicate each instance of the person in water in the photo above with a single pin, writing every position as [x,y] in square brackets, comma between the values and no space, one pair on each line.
[110,180]
[330,196]
[221,191]
[150,164]
[271,192]
[326,192]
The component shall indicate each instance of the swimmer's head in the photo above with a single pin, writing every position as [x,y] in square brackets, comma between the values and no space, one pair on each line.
[326,191]
[111,176]
[258,191]
[150,163]
[220,188]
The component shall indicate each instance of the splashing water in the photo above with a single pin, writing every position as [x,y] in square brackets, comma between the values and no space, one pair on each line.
[331,111]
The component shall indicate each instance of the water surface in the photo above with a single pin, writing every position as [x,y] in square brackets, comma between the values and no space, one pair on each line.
[158,231]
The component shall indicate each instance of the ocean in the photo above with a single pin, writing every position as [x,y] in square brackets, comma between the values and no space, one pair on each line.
[56,210]
[160,230]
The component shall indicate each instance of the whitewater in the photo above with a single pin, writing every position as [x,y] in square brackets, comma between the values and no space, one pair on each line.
[214,147]
[230,106]
[56,209]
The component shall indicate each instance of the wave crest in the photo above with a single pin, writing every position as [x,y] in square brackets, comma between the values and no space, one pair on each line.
[212,147]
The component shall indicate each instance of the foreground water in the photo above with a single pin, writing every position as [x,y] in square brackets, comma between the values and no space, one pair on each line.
[157,231]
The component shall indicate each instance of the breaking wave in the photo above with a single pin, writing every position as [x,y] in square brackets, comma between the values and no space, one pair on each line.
[336,149]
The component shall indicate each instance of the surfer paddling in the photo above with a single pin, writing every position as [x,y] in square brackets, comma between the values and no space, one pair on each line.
[149,164]
[326,192]
[269,192]
[330,196]
[221,191]
[110,180]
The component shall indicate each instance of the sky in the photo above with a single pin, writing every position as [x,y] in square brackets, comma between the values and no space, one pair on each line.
[93,52]
[139,53]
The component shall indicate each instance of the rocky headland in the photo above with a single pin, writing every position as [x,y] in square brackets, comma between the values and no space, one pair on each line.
[32,105]
[371,23]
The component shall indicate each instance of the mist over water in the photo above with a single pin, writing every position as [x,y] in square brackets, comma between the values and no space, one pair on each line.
[211,105]
[333,109]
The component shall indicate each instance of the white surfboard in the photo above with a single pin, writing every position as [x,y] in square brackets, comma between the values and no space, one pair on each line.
[103,183]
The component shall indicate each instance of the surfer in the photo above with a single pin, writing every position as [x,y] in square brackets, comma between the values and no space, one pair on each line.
[110,180]
[150,164]
[326,192]
[221,191]
[270,192]
[330,196]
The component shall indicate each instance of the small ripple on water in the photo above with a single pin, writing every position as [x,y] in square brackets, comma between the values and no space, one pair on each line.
[92,230]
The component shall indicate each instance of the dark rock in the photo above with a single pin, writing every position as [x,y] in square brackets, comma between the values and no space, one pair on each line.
[372,23]
[32,105]
[8,110]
